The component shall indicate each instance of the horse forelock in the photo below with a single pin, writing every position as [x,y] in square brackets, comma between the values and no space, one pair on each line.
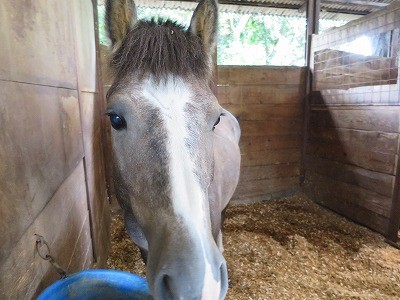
[160,49]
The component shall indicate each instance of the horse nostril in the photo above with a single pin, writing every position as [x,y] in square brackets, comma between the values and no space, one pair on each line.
[166,287]
[224,280]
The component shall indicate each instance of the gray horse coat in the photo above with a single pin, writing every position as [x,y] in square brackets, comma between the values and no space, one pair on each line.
[226,176]
[175,149]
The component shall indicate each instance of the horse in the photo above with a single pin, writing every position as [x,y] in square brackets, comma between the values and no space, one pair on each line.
[175,150]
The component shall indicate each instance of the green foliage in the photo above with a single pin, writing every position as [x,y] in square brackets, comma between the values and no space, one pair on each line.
[179,15]
[257,32]
[244,39]
[261,40]
[102,27]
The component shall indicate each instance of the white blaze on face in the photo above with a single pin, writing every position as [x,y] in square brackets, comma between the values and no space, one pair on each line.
[171,99]
[212,287]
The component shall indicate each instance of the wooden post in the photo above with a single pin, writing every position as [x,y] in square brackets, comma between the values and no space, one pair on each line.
[392,236]
[105,136]
[313,8]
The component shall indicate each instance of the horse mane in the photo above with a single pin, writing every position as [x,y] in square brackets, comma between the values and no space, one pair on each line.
[159,49]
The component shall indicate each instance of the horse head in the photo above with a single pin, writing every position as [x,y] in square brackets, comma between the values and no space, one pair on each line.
[163,115]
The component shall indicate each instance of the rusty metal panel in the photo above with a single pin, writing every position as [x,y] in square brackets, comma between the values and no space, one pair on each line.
[40,145]
[85,45]
[37,43]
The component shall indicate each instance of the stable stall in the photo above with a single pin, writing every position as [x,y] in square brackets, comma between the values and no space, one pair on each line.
[329,128]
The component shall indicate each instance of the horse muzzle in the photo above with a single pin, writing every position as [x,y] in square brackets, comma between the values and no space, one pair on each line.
[188,269]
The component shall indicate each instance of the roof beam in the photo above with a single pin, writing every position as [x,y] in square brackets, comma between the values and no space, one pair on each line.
[354,7]
[272,3]
[352,3]
[364,7]
[259,4]
[303,7]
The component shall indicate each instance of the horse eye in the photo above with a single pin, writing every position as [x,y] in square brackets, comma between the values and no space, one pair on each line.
[216,122]
[117,122]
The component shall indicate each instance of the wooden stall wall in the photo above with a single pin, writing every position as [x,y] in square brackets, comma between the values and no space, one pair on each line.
[268,103]
[51,166]
[353,143]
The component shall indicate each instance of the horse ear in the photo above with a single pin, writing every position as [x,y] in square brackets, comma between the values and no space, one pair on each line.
[204,24]
[120,18]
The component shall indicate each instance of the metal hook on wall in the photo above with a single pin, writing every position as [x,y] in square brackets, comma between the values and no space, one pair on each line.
[45,255]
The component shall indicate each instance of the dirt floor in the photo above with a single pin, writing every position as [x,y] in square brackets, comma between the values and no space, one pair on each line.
[292,249]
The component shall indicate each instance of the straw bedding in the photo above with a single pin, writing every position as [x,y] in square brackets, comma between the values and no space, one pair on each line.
[291,248]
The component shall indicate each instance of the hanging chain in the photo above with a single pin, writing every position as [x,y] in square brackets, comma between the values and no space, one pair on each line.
[45,254]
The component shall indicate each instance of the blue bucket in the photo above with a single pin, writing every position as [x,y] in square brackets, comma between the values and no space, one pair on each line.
[98,284]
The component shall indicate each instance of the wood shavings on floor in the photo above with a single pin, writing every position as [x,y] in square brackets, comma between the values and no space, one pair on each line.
[291,248]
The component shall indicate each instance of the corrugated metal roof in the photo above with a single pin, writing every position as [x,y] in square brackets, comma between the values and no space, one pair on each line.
[330,9]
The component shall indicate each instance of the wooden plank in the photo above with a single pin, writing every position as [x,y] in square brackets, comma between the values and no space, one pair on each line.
[356,195]
[80,260]
[348,201]
[260,94]
[34,50]
[106,140]
[37,153]
[98,203]
[392,233]
[312,15]
[270,127]
[70,236]
[82,249]
[317,98]
[71,128]
[89,104]
[266,197]
[336,69]
[374,23]
[372,181]
[374,119]
[270,157]
[108,161]
[259,112]
[104,238]
[372,140]
[230,95]
[85,44]
[105,70]
[264,187]
[259,75]
[360,96]
[374,161]
[271,142]
[95,174]
[271,171]
[57,222]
